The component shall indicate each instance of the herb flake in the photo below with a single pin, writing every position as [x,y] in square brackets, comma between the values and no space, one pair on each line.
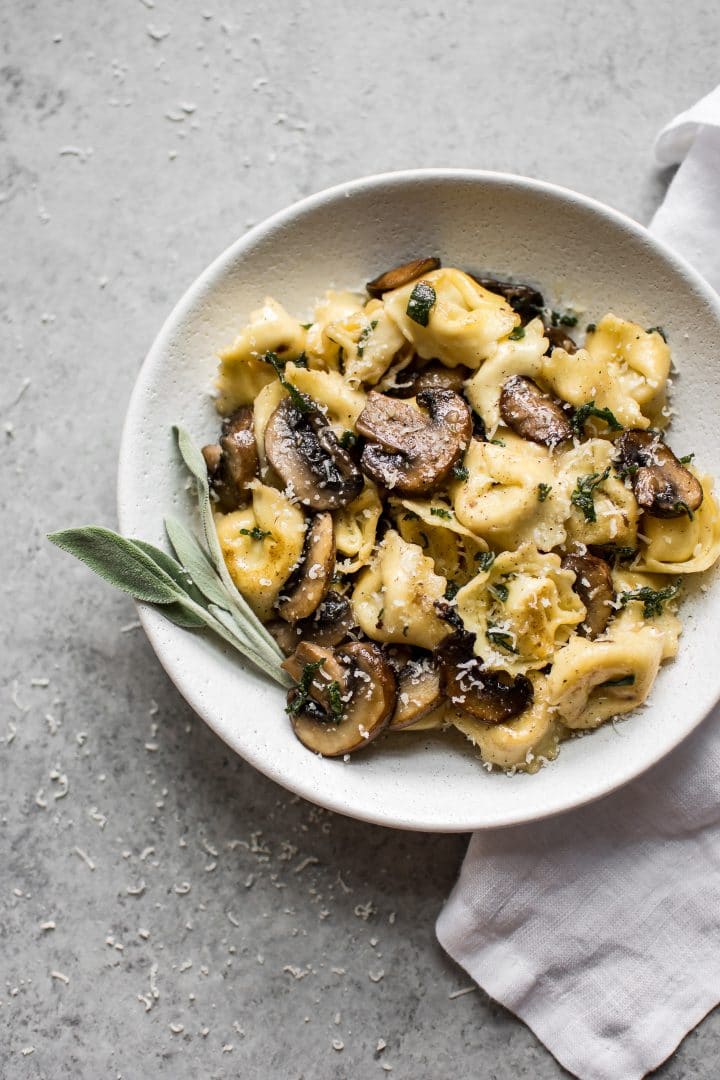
[583,496]
[517,334]
[256,533]
[584,412]
[651,599]
[421,302]
[300,699]
[501,638]
[543,491]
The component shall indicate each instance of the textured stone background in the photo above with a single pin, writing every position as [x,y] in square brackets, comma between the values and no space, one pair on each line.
[137,139]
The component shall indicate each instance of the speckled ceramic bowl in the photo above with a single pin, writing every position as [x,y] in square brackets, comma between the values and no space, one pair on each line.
[586,256]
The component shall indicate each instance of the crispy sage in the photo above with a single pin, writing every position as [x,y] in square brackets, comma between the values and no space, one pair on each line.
[194,591]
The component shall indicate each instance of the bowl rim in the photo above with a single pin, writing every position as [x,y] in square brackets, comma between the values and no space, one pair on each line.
[152,621]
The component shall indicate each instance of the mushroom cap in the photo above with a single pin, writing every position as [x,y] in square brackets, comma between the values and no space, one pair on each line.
[232,463]
[304,451]
[491,696]
[594,585]
[401,275]
[409,450]
[365,684]
[661,484]
[418,692]
[525,299]
[559,338]
[432,376]
[308,585]
[532,414]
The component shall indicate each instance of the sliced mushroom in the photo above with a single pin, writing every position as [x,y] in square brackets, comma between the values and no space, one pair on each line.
[304,451]
[594,586]
[330,624]
[410,451]
[419,692]
[288,637]
[559,339]
[312,578]
[233,462]
[527,301]
[358,677]
[491,696]
[532,414]
[434,376]
[401,275]
[661,484]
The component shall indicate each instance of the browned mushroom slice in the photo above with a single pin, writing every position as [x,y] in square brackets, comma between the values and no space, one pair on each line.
[432,377]
[410,451]
[594,586]
[531,414]
[559,339]
[233,462]
[527,301]
[401,275]
[312,578]
[491,696]
[304,451]
[288,637]
[344,698]
[419,692]
[661,484]
[330,624]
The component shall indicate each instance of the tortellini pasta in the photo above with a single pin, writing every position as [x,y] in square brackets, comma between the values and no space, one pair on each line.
[511,494]
[591,681]
[638,360]
[433,527]
[513,356]
[322,350]
[394,599]
[615,510]
[356,527]
[369,340]
[242,373]
[683,545]
[260,564]
[525,743]
[464,324]
[521,609]
[342,403]
[515,567]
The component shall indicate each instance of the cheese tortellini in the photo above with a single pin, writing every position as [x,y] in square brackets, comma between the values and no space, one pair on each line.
[437,481]
[261,544]
[521,609]
[394,599]
[501,499]
[243,373]
[464,324]
[686,544]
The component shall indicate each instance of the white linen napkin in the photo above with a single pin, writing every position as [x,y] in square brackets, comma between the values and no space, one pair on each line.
[601,928]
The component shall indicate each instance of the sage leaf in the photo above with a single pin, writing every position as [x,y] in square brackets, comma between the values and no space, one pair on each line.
[120,561]
[265,661]
[182,616]
[196,563]
[195,462]
[173,569]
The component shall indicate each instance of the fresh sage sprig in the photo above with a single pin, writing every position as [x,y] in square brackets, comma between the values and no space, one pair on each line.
[195,590]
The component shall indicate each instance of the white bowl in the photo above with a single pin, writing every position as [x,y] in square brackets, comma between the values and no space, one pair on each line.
[586,256]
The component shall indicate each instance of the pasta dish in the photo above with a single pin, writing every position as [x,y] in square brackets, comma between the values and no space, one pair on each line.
[456,508]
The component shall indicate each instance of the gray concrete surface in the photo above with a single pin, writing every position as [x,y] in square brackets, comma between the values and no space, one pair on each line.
[164,910]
